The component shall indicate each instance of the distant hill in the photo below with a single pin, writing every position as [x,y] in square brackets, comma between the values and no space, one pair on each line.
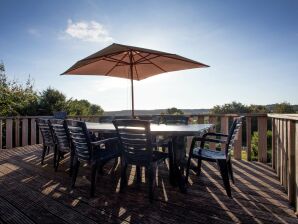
[153,112]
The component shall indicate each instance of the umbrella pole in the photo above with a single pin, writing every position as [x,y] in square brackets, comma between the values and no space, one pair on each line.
[131,79]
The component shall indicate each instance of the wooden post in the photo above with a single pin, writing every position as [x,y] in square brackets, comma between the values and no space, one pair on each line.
[248,137]
[291,162]
[224,127]
[17,132]
[296,165]
[1,134]
[8,133]
[25,131]
[200,119]
[238,145]
[278,148]
[212,120]
[33,132]
[262,131]
[273,150]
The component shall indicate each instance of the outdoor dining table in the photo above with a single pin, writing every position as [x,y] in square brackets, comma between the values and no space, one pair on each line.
[176,153]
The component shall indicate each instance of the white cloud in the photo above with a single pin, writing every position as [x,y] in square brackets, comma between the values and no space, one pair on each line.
[88,31]
[34,32]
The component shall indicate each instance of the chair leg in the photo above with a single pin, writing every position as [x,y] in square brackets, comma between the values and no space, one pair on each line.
[55,155]
[230,169]
[43,154]
[139,175]
[71,163]
[199,167]
[123,181]
[58,160]
[93,178]
[151,180]
[75,172]
[187,168]
[225,175]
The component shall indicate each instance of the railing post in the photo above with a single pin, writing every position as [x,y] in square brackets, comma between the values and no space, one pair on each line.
[25,131]
[1,144]
[262,131]
[8,133]
[33,132]
[200,119]
[224,127]
[238,145]
[248,137]
[291,162]
[212,120]
[273,150]
[17,132]
[296,165]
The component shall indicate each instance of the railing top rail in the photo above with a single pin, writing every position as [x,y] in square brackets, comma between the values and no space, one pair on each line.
[293,117]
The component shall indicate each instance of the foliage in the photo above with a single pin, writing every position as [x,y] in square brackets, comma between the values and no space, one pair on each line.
[83,107]
[174,111]
[51,100]
[283,107]
[255,142]
[230,108]
[18,99]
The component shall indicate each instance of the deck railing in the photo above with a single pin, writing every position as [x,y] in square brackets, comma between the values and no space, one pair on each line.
[285,153]
[22,131]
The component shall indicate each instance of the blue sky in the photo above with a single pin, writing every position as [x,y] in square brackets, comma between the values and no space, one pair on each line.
[251,46]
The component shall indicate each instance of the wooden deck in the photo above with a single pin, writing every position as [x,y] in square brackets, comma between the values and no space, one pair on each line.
[31,193]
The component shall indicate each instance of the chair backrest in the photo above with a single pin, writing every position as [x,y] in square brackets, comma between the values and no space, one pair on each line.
[46,133]
[60,133]
[60,115]
[135,140]
[80,139]
[154,119]
[106,119]
[175,119]
[237,123]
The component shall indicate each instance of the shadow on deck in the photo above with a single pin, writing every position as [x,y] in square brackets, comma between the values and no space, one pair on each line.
[31,193]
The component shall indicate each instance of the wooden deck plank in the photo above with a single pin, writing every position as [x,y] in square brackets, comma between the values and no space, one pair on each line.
[261,201]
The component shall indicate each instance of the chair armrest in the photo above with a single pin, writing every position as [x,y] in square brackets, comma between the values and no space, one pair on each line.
[215,134]
[104,141]
[202,139]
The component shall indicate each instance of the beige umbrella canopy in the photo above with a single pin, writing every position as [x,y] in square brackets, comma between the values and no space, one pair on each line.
[129,62]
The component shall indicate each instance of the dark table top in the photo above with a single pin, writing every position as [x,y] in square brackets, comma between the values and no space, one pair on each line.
[157,129]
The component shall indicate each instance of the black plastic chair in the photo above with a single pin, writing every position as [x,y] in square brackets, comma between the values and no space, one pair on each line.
[137,149]
[175,119]
[94,154]
[47,138]
[222,158]
[62,140]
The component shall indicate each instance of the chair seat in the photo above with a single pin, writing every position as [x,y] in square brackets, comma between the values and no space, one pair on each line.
[157,156]
[106,154]
[209,154]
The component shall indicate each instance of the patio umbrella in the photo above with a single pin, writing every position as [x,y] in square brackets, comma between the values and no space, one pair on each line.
[130,62]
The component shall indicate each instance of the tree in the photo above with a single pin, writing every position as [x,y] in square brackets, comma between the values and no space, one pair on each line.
[283,108]
[174,111]
[95,110]
[51,100]
[230,108]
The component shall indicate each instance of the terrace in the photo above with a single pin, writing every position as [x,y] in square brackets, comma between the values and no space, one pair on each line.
[263,192]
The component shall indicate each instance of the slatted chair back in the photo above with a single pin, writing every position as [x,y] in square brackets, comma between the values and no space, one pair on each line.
[106,119]
[45,130]
[237,123]
[175,119]
[60,134]
[135,140]
[80,139]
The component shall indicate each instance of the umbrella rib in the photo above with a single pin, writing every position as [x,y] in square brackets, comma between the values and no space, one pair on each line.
[119,61]
[152,62]
[145,58]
